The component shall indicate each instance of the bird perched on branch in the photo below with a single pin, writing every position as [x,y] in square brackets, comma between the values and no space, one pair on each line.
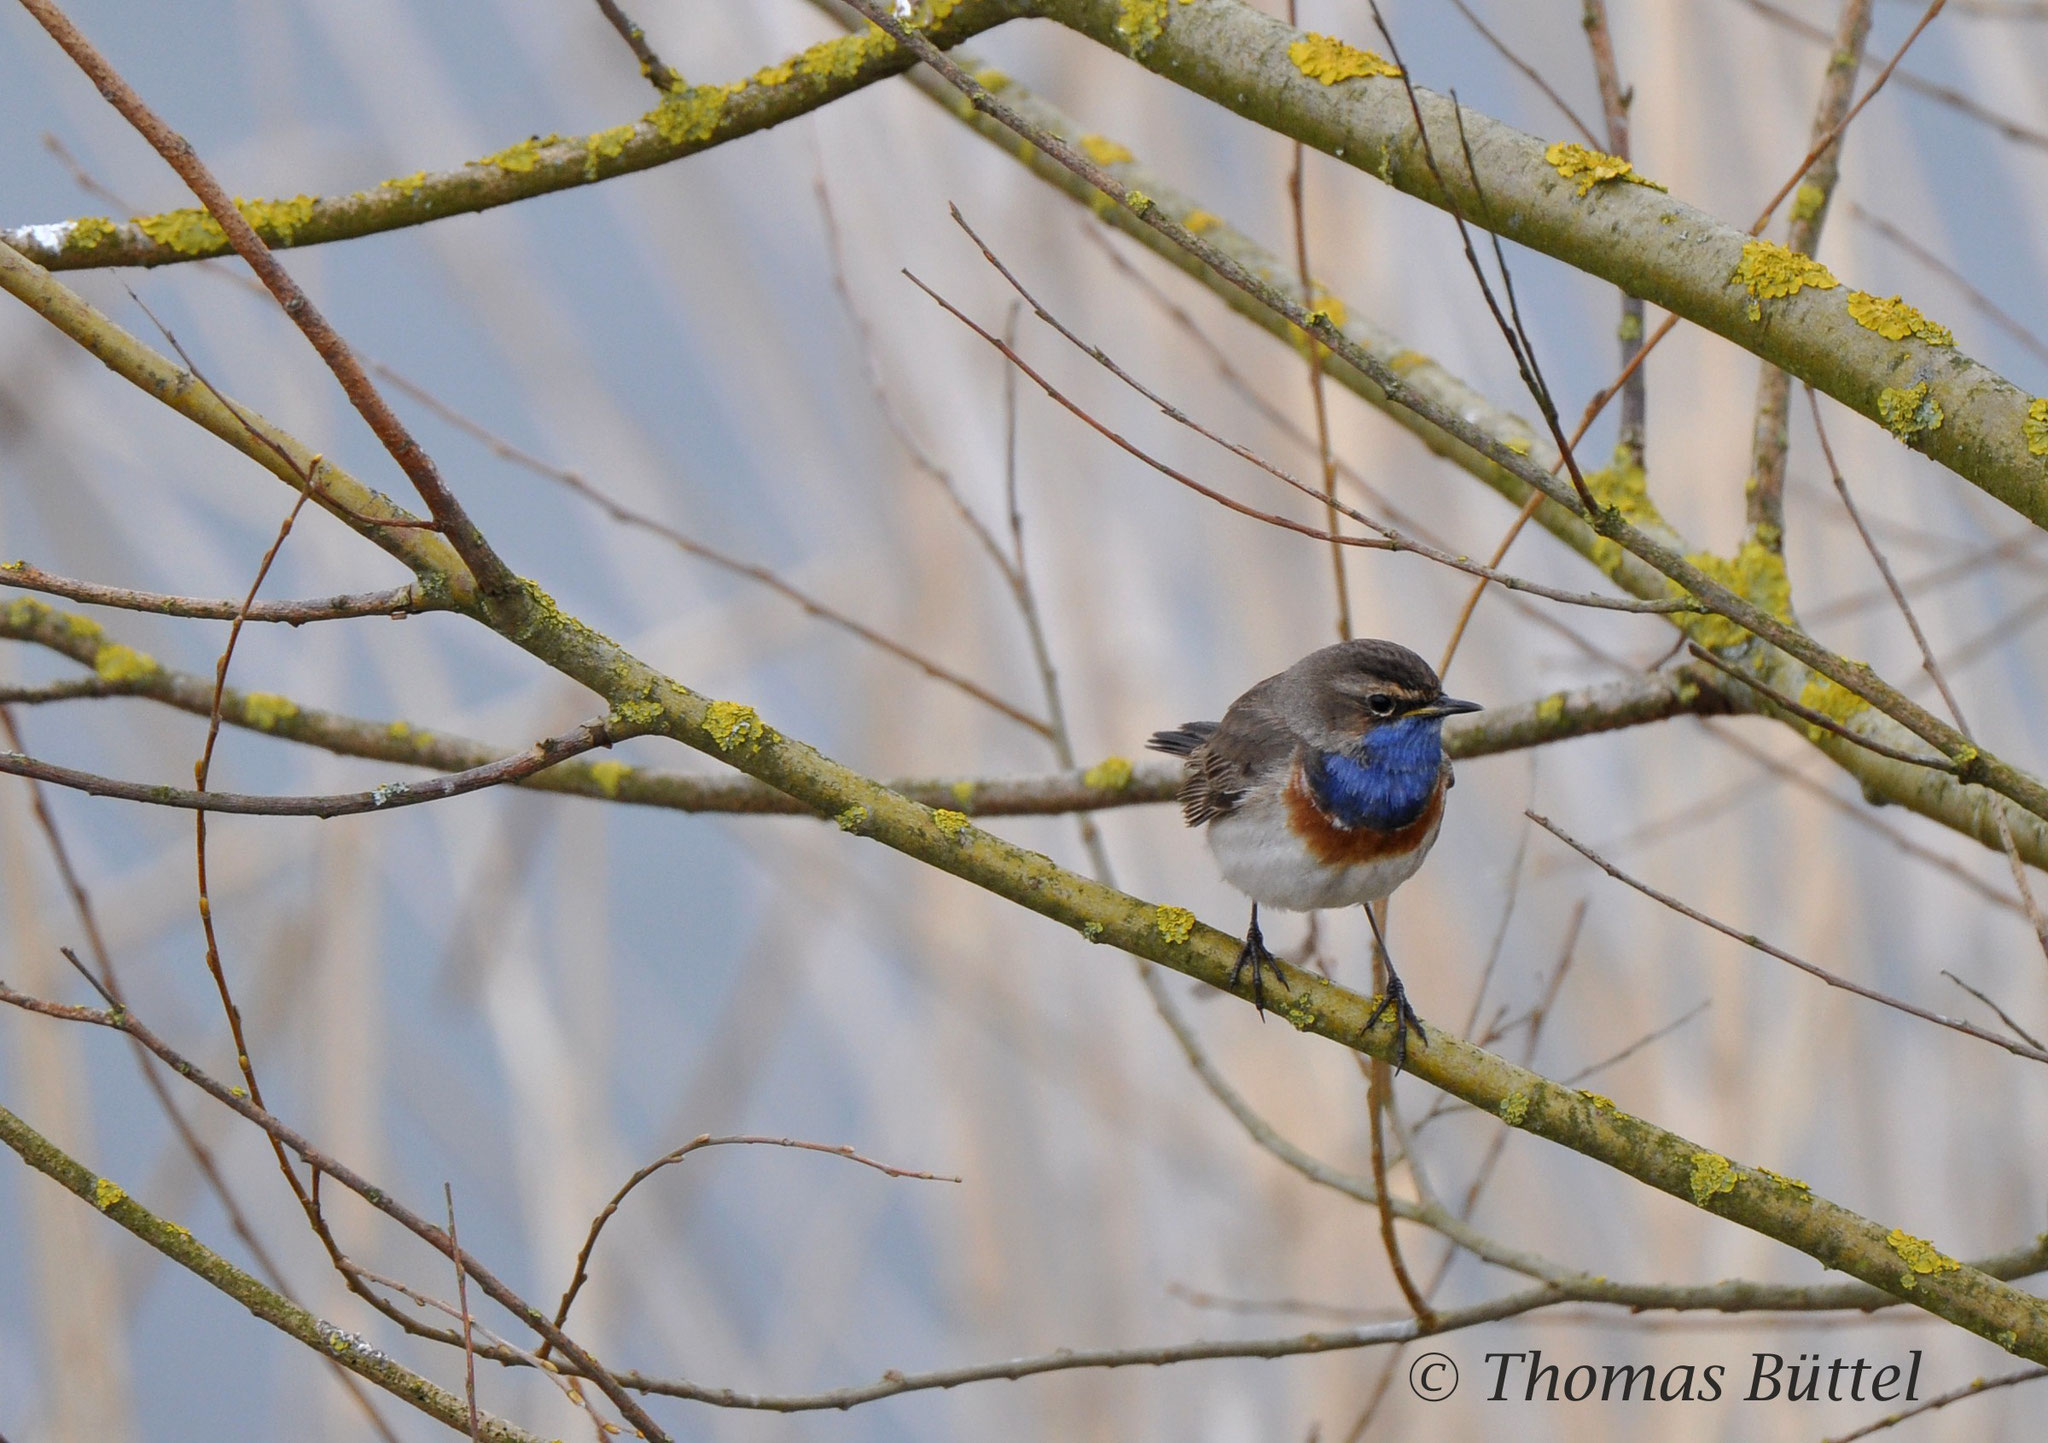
[1323,787]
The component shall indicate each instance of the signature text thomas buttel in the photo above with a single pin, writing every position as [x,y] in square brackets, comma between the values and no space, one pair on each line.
[1525,1377]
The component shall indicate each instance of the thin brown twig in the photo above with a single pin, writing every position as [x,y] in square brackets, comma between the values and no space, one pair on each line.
[1615,99]
[391,795]
[1297,199]
[1990,309]
[581,485]
[397,601]
[658,75]
[1932,668]
[1530,72]
[1911,80]
[697,1144]
[2003,1016]
[1388,538]
[1654,1035]
[489,571]
[1955,1395]
[1934,762]
[462,1302]
[1968,1029]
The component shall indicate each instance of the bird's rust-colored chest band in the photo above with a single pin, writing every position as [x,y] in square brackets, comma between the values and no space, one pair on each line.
[1336,846]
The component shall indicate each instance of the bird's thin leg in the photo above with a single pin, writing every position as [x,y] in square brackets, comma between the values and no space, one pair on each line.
[1255,956]
[1396,997]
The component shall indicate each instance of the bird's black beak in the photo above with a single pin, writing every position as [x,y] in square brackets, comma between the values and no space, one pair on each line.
[1447,706]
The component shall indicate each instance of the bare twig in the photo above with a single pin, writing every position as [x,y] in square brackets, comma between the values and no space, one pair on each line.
[1956,1395]
[658,75]
[1990,309]
[391,795]
[1934,762]
[697,1144]
[398,601]
[1530,72]
[580,485]
[2003,1015]
[1968,1029]
[1932,668]
[462,1302]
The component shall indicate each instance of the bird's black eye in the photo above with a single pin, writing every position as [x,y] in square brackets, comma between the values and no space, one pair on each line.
[1380,704]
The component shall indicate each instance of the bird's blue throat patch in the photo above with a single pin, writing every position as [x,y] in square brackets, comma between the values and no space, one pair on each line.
[1387,782]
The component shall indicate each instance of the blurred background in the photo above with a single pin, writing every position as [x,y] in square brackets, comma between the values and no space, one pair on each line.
[529,996]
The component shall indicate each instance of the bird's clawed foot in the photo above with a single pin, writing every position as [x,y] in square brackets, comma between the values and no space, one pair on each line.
[1255,956]
[1405,1020]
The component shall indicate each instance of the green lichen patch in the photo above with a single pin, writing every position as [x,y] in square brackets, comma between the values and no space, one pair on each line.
[1514,1108]
[1807,201]
[963,793]
[953,824]
[189,232]
[2035,427]
[608,774]
[1297,1012]
[733,726]
[1111,774]
[1093,931]
[1771,272]
[1921,1256]
[842,58]
[118,664]
[522,158]
[994,81]
[1141,22]
[88,232]
[1550,710]
[1832,700]
[1791,1184]
[1329,60]
[1909,412]
[1757,574]
[1712,1175]
[1200,222]
[106,1192]
[1895,320]
[855,819]
[1600,1101]
[1104,151]
[277,220]
[265,710]
[690,117]
[405,184]
[1174,924]
[639,716]
[603,145]
[1588,167]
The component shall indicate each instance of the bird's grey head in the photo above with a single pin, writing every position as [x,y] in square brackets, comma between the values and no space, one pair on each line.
[1335,697]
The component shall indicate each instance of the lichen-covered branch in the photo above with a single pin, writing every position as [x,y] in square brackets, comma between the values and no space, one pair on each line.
[120,670]
[178,1244]
[1783,307]
[688,120]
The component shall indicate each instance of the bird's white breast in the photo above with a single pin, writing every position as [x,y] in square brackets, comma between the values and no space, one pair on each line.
[1261,857]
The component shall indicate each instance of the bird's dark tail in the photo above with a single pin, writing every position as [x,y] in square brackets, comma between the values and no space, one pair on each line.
[1182,740]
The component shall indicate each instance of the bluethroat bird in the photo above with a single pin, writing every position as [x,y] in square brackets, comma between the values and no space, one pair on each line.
[1323,787]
